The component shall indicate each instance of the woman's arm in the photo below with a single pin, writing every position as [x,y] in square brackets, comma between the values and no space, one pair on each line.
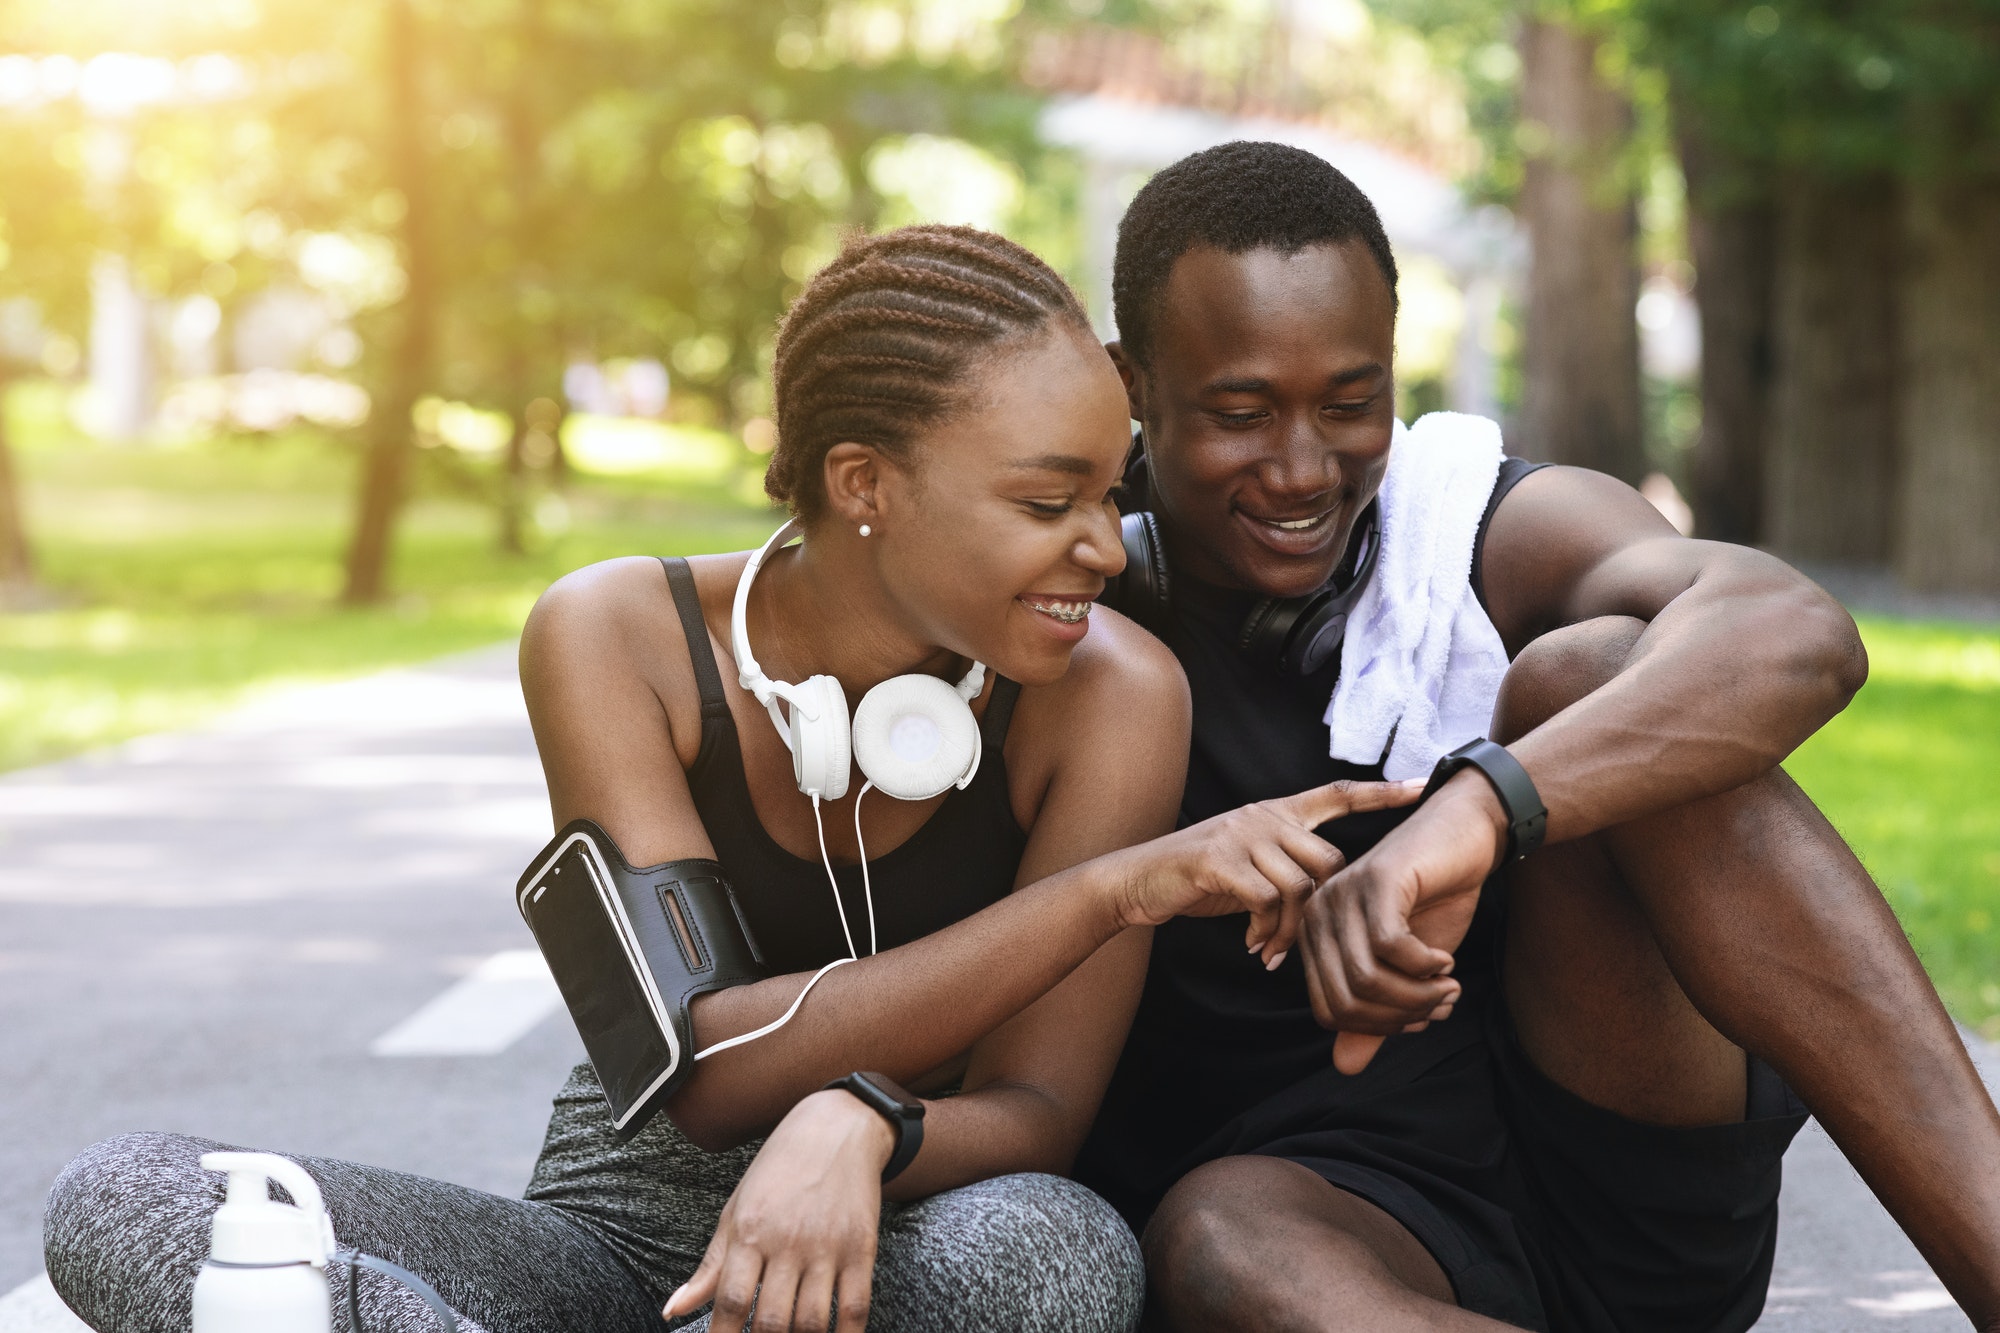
[612,698]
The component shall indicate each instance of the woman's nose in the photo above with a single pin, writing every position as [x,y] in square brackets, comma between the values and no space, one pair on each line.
[1101,550]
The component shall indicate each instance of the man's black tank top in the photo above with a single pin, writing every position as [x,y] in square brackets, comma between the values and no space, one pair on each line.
[964,857]
[1215,1034]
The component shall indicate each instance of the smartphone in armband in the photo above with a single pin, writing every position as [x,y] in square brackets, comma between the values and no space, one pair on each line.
[629,949]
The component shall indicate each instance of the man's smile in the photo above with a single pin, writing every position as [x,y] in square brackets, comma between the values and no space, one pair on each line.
[1294,534]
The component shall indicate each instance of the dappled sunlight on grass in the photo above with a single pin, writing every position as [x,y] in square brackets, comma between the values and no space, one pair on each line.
[188,578]
[1908,774]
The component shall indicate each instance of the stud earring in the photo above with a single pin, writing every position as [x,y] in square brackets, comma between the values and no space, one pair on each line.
[867,531]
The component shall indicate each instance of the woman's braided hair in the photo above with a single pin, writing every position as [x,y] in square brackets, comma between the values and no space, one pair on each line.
[882,343]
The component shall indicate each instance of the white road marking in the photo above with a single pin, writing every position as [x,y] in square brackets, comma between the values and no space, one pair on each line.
[34,1307]
[484,1014]
[1905,1302]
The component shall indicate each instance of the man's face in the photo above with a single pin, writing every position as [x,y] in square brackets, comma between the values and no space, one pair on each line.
[1268,408]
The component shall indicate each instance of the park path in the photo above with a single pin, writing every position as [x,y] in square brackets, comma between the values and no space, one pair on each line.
[293,929]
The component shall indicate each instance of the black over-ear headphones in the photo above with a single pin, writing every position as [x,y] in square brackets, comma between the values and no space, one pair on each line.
[1297,635]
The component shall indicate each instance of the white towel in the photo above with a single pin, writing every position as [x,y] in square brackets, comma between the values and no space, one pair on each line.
[1422,662]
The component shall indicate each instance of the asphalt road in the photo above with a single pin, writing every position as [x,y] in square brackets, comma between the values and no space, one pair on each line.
[257,930]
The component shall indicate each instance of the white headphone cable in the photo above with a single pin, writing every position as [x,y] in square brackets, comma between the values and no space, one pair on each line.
[853,956]
[777,1022]
[827,861]
[867,889]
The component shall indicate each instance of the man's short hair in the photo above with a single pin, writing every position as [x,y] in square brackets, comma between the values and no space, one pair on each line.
[1236,197]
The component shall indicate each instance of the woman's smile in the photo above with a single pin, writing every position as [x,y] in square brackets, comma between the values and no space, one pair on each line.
[1067,617]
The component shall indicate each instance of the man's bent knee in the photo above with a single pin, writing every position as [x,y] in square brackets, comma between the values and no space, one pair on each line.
[1201,1256]
[1560,668]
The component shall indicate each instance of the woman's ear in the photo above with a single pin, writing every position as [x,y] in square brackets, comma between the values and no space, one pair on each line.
[852,474]
[1135,383]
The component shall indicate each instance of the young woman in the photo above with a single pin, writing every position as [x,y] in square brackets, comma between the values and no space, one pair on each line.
[949,435]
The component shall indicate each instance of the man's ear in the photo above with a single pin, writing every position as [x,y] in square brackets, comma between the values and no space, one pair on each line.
[1135,380]
[852,475]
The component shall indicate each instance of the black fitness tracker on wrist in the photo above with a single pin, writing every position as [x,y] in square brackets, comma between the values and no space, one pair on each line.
[888,1099]
[1527,817]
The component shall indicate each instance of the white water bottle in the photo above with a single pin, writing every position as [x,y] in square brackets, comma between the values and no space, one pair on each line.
[266,1271]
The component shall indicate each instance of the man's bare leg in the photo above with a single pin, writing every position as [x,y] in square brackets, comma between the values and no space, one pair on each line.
[1263,1245]
[1639,960]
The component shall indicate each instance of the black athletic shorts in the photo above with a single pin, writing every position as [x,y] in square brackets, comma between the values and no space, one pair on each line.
[1543,1211]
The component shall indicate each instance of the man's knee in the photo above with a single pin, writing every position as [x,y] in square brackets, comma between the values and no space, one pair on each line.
[1022,1252]
[1560,668]
[1201,1247]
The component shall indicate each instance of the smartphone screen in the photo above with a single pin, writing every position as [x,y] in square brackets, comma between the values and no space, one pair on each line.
[570,912]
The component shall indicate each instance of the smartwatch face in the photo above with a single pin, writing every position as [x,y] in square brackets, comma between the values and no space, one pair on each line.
[574,915]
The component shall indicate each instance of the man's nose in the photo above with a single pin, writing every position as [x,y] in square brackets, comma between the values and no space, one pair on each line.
[1306,463]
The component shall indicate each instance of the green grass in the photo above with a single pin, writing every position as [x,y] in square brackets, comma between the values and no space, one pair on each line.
[192,576]
[187,577]
[1908,774]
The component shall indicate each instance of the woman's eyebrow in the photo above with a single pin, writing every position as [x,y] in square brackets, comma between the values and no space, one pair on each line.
[1069,464]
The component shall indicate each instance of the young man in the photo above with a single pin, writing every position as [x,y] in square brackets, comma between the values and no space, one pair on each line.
[1579,1120]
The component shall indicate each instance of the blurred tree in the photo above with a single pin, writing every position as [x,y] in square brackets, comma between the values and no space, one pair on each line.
[1946,55]
[1784,152]
[1732,236]
[47,238]
[390,432]
[1829,473]
[1581,354]
[1550,90]
[1874,126]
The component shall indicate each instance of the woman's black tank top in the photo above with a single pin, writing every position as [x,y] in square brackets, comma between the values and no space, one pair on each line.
[962,858]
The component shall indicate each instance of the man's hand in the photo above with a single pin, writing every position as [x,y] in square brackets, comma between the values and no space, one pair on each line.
[1379,935]
[1262,858]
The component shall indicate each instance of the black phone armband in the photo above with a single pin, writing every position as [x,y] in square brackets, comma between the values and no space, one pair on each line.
[630,950]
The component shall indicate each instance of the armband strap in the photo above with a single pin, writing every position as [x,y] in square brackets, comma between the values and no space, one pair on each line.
[678,932]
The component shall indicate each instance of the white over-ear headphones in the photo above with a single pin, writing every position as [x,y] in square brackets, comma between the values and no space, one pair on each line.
[913,736]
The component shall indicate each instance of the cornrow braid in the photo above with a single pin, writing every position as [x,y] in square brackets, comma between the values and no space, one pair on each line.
[881,343]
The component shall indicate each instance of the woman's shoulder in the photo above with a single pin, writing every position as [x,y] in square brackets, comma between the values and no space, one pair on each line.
[610,604]
[1121,680]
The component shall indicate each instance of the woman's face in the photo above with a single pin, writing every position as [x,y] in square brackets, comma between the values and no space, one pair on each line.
[999,532]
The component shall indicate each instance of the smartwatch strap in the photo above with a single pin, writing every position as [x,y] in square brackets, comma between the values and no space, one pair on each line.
[1527,817]
[887,1099]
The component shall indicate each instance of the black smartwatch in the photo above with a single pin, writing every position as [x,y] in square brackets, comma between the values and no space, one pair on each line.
[888,1099]
[1527,817]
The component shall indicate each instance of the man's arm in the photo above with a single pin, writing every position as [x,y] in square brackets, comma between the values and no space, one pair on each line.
[1742,658]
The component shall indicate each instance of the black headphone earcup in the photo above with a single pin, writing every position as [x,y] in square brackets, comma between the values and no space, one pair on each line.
[1143,590]
[1268,626]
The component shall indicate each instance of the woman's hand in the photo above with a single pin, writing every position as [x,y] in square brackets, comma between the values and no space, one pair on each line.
[800,1229]
[1263,858]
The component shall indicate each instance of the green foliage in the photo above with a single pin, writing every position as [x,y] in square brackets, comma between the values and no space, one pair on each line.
[1850,87]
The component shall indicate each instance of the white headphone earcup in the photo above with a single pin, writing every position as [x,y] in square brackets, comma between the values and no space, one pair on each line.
[820,756]
[914,737]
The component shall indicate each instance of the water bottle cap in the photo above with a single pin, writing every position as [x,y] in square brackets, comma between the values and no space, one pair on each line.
[252,1228]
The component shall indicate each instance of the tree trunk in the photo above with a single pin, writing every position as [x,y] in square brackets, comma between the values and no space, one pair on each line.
[1581,404]
[17,564]
[1829,489]
[389,429]
[524,152]
[1949,534]
[1732,234]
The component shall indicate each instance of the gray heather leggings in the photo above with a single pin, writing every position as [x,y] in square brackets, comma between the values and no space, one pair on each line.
[606,1232]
